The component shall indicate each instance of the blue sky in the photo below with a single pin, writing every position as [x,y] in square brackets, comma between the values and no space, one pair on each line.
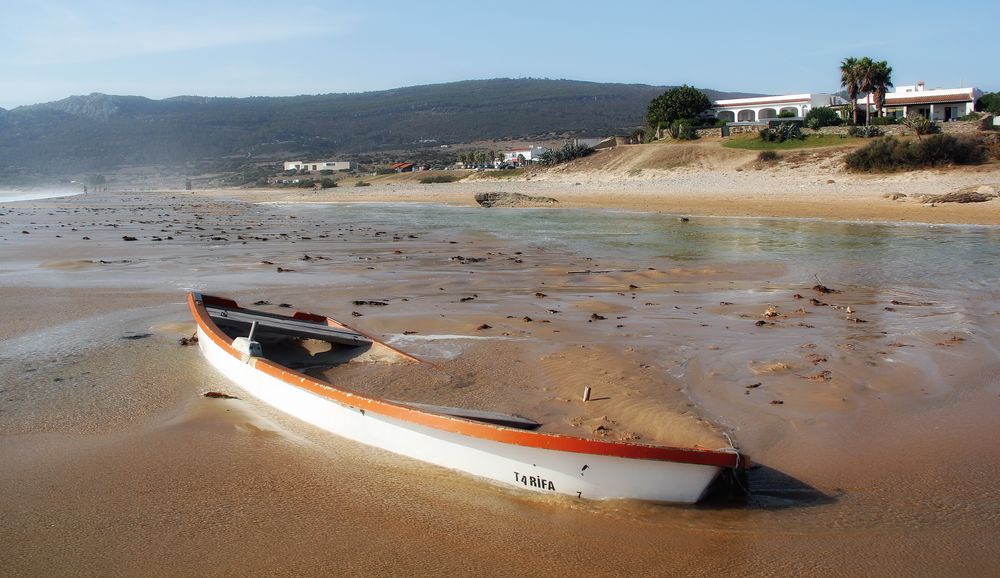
[52,49]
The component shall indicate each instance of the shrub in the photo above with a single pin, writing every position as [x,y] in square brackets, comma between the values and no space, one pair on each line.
[920,124]
[863,131]
[568,152]
[683,129]
[768,156]
[362,184]
[328,183]
[782,132]
[891,154]
[823,116]
[993,149]
[989,102]
[438,179]
[883,120]
[786,114]
[971,116]
[944,149]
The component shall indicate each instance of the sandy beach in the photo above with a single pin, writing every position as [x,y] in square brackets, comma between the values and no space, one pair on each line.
[869,409]
[700,179]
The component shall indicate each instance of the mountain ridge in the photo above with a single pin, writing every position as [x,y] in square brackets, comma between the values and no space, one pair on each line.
[100,131]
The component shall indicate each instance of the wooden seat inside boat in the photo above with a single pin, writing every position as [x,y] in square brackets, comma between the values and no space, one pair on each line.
[238,321]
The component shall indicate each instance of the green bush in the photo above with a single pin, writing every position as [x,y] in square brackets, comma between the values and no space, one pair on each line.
[568,152]
[438,179]
[328,183]
[891,154]
[683,129]
[675,104]
[989,102]
[884,120]
[971,116]
[768,156]
[362,184]
[782,132]
[786,114]
[823,116]
[863,131]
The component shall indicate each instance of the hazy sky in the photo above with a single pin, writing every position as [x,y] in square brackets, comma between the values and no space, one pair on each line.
[51,49]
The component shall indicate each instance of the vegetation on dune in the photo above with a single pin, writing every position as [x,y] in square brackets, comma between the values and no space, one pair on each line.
[438,179]
[568,152]
[502,174]
[754,143]
[892,154]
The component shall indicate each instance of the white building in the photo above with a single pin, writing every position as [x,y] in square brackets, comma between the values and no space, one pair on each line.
[759,108]
[530,154]
[937,104]
[317,165]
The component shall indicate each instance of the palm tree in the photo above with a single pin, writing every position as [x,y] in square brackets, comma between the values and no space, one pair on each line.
[865,68]
[850,80]
[881,81]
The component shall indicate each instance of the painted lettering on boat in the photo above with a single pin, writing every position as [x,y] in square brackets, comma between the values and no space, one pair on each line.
[534,482]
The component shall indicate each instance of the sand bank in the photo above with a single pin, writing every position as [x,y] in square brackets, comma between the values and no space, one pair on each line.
[708,180]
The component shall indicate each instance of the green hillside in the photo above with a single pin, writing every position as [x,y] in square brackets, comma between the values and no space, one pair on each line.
[101,132]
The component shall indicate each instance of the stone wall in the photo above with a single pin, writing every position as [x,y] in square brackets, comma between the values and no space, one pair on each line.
[957,127]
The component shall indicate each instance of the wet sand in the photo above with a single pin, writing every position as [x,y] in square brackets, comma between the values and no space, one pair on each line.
[879,458]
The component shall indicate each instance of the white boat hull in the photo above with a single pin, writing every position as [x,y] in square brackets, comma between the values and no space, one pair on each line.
[580,475]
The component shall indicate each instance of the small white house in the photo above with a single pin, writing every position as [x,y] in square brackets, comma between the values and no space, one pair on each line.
[937,104]
[760,108]
[530,154]
[317,165]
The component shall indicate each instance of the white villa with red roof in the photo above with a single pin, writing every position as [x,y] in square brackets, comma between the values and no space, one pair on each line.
[937,104]
[760,108]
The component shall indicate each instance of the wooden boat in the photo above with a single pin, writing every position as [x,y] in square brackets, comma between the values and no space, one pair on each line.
[495,446]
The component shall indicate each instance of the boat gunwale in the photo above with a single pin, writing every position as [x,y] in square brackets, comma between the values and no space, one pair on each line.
[726,458]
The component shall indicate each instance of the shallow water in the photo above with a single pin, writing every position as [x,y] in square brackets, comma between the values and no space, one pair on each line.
[113,463]
[13,196]
[867,254]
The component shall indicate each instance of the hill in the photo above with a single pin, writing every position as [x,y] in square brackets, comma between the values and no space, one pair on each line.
[101,132]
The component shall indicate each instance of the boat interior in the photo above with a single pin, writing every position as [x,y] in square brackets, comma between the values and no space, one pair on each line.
[308,344]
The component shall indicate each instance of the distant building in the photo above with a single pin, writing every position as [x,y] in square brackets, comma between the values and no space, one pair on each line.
[937,104]
[761,108]
[402,167]
[317,165]
[529,154]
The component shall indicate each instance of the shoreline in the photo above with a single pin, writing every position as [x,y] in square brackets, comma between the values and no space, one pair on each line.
[704,193]
[641,212]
